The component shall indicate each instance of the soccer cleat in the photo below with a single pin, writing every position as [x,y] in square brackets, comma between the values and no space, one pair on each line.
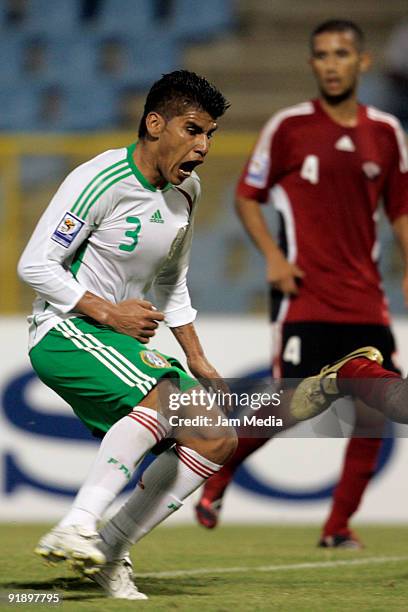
[350,542]
[73,543]
[116,579]
[315,393]
[207,512]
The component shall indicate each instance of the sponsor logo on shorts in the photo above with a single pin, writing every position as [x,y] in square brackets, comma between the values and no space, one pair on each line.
[67,229]
[154,360]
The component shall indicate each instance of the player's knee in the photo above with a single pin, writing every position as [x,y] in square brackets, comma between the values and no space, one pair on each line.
[222,447]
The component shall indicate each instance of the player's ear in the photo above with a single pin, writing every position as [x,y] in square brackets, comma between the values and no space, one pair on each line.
[155,124]
[366,59]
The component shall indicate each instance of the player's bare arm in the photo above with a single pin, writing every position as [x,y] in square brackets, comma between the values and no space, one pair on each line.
[197,362]
[281,273]
[400,226]
[134,317]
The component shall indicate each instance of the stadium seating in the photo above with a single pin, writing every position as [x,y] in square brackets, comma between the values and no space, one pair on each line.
[11,52]
[133,17]
[51,49]
[196,21]
[43,16]
[18,107]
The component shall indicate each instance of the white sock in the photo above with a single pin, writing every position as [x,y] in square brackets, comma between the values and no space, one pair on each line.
[172,477]
[121,450]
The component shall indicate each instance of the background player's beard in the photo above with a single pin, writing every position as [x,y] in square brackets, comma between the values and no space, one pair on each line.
[338,99]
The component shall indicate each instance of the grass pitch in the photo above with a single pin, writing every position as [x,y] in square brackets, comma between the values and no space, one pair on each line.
[228,569]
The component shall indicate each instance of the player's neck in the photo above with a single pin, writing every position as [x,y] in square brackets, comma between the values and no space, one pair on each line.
[345,113]
[145,159]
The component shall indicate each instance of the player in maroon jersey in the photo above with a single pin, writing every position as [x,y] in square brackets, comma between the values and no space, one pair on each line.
[325,164]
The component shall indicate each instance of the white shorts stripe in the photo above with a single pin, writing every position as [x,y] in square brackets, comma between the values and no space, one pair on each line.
[115,353]
[87,341]
[67,333]
[96,345]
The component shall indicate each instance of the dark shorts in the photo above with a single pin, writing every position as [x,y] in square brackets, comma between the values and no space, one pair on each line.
[304,348]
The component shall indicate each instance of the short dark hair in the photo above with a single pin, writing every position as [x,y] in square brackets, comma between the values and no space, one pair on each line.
[339,25]
[177,91]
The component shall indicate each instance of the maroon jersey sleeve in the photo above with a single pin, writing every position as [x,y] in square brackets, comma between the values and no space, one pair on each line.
[266,163]
[396,185]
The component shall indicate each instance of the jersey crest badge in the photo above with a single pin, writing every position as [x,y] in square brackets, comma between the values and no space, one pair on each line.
[371,170]
[67,229]
[345,144]
[154,360]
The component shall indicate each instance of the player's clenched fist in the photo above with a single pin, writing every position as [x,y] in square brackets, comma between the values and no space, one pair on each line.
[136,318]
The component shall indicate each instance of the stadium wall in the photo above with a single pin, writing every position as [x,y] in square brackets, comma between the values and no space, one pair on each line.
[45,452]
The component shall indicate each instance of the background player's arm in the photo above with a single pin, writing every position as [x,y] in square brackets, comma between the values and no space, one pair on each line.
[279,271]
[264,169]
[400,226]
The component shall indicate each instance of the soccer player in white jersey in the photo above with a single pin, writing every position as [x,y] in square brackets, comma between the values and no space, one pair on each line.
[119,225]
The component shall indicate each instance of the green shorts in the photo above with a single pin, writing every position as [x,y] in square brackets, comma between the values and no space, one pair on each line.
[101,373]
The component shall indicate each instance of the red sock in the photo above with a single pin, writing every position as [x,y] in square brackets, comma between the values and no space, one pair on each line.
[359,465]
[215,486]
[367,380]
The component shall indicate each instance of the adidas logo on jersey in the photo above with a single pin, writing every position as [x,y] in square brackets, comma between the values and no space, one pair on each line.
[345,144]
[156,217]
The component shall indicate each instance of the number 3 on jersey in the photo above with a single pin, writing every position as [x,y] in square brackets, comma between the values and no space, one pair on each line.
[292,353]
[310,169]
[133,233]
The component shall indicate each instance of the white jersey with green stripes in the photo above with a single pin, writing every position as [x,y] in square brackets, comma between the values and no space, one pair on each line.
[109,231]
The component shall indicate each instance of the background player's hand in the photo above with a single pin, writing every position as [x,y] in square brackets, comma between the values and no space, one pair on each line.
[208,376]
[282,274]
[136,318]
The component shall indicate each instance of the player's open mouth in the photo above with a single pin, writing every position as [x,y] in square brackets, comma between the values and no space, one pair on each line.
[186,168]
[333,82]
